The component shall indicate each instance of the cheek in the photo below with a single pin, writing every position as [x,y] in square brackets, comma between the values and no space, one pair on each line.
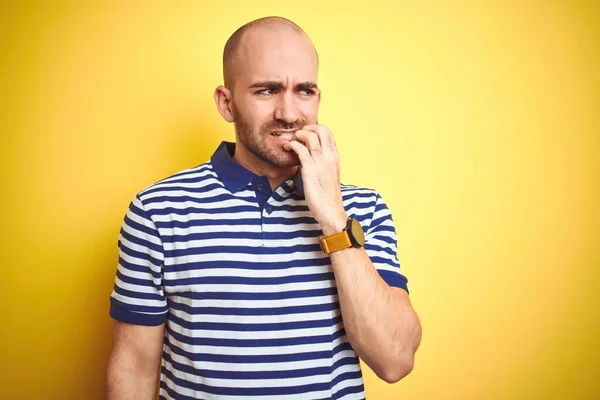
[258,112]
[310,111]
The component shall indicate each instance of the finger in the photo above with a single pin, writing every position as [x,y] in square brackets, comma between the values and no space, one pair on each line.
[316,128]
[312,141]
[335,148]
[332,142]
[326,140]
[300,149]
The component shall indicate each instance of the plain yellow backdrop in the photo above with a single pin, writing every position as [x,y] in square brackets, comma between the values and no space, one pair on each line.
[478,122]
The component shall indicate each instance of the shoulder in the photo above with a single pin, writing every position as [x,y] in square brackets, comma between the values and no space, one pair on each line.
[360,200]
[181,183]
[358,193]
[366,205]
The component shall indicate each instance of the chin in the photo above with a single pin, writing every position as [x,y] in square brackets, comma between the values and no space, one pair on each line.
[281,158]
[286,162]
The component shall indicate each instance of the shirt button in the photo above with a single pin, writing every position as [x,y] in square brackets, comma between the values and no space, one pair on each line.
[259,187]
[269,210]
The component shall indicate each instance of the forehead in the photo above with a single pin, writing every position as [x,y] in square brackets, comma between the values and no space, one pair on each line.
[277,54]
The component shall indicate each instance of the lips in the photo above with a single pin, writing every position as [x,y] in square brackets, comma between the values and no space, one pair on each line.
[284,135]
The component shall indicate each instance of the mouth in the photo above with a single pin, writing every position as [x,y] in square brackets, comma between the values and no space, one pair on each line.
[289,135]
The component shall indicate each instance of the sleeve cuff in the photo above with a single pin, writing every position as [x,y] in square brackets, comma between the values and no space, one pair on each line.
[394,279]
[136,318]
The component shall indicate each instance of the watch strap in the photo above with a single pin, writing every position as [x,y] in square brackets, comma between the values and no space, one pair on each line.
[335,242]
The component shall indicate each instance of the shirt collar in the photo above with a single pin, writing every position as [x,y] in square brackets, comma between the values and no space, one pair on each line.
[297,182]
[235,177]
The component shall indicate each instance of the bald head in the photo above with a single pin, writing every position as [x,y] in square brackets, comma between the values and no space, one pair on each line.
[233,53]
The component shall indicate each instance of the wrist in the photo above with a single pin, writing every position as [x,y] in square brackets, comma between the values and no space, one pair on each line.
[335,224]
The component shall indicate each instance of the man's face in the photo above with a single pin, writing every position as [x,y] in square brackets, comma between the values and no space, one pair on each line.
[275,92]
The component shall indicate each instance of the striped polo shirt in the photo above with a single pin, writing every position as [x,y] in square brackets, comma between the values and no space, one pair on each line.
[237,273]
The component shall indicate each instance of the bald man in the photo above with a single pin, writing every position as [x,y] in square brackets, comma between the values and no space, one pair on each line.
[257,274]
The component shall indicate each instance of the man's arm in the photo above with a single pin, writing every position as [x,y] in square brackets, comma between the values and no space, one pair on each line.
[133,366]
[379,320]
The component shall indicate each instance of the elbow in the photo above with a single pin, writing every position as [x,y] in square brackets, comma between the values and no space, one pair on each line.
[396,371]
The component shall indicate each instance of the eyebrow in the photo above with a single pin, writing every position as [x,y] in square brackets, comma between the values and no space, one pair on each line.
[279,85]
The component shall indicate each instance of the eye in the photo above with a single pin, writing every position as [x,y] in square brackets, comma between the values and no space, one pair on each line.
[266,92]
[307,92]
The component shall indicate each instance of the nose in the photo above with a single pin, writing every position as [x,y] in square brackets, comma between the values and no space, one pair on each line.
[286,109]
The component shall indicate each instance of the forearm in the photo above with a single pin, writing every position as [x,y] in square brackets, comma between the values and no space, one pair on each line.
[126,382]
[379,321]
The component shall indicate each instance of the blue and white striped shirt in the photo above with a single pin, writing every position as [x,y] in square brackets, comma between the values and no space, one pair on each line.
[236,271]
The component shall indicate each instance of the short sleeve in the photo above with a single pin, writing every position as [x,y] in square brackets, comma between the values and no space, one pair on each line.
[381,246]
[138,296]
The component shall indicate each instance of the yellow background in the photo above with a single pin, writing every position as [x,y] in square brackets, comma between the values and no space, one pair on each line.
[478,121]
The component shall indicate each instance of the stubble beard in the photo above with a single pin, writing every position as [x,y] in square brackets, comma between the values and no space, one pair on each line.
[256,141]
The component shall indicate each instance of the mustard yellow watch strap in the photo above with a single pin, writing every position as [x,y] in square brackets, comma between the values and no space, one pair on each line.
[336,242]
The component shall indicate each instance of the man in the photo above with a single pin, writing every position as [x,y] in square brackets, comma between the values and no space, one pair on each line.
[249,276]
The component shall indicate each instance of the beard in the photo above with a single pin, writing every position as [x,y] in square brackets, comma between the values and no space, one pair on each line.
[256,140]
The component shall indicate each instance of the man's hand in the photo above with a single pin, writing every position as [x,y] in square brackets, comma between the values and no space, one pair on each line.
[320,168]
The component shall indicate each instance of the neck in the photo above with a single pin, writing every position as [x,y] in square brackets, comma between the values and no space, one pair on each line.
[276,175]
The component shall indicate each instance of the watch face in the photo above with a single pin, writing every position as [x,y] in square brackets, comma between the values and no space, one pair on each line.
[357,233]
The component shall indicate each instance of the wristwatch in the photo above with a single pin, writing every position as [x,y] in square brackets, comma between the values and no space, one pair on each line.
[351,236]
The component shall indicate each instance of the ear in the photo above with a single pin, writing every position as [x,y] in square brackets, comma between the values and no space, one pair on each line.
[223,100]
